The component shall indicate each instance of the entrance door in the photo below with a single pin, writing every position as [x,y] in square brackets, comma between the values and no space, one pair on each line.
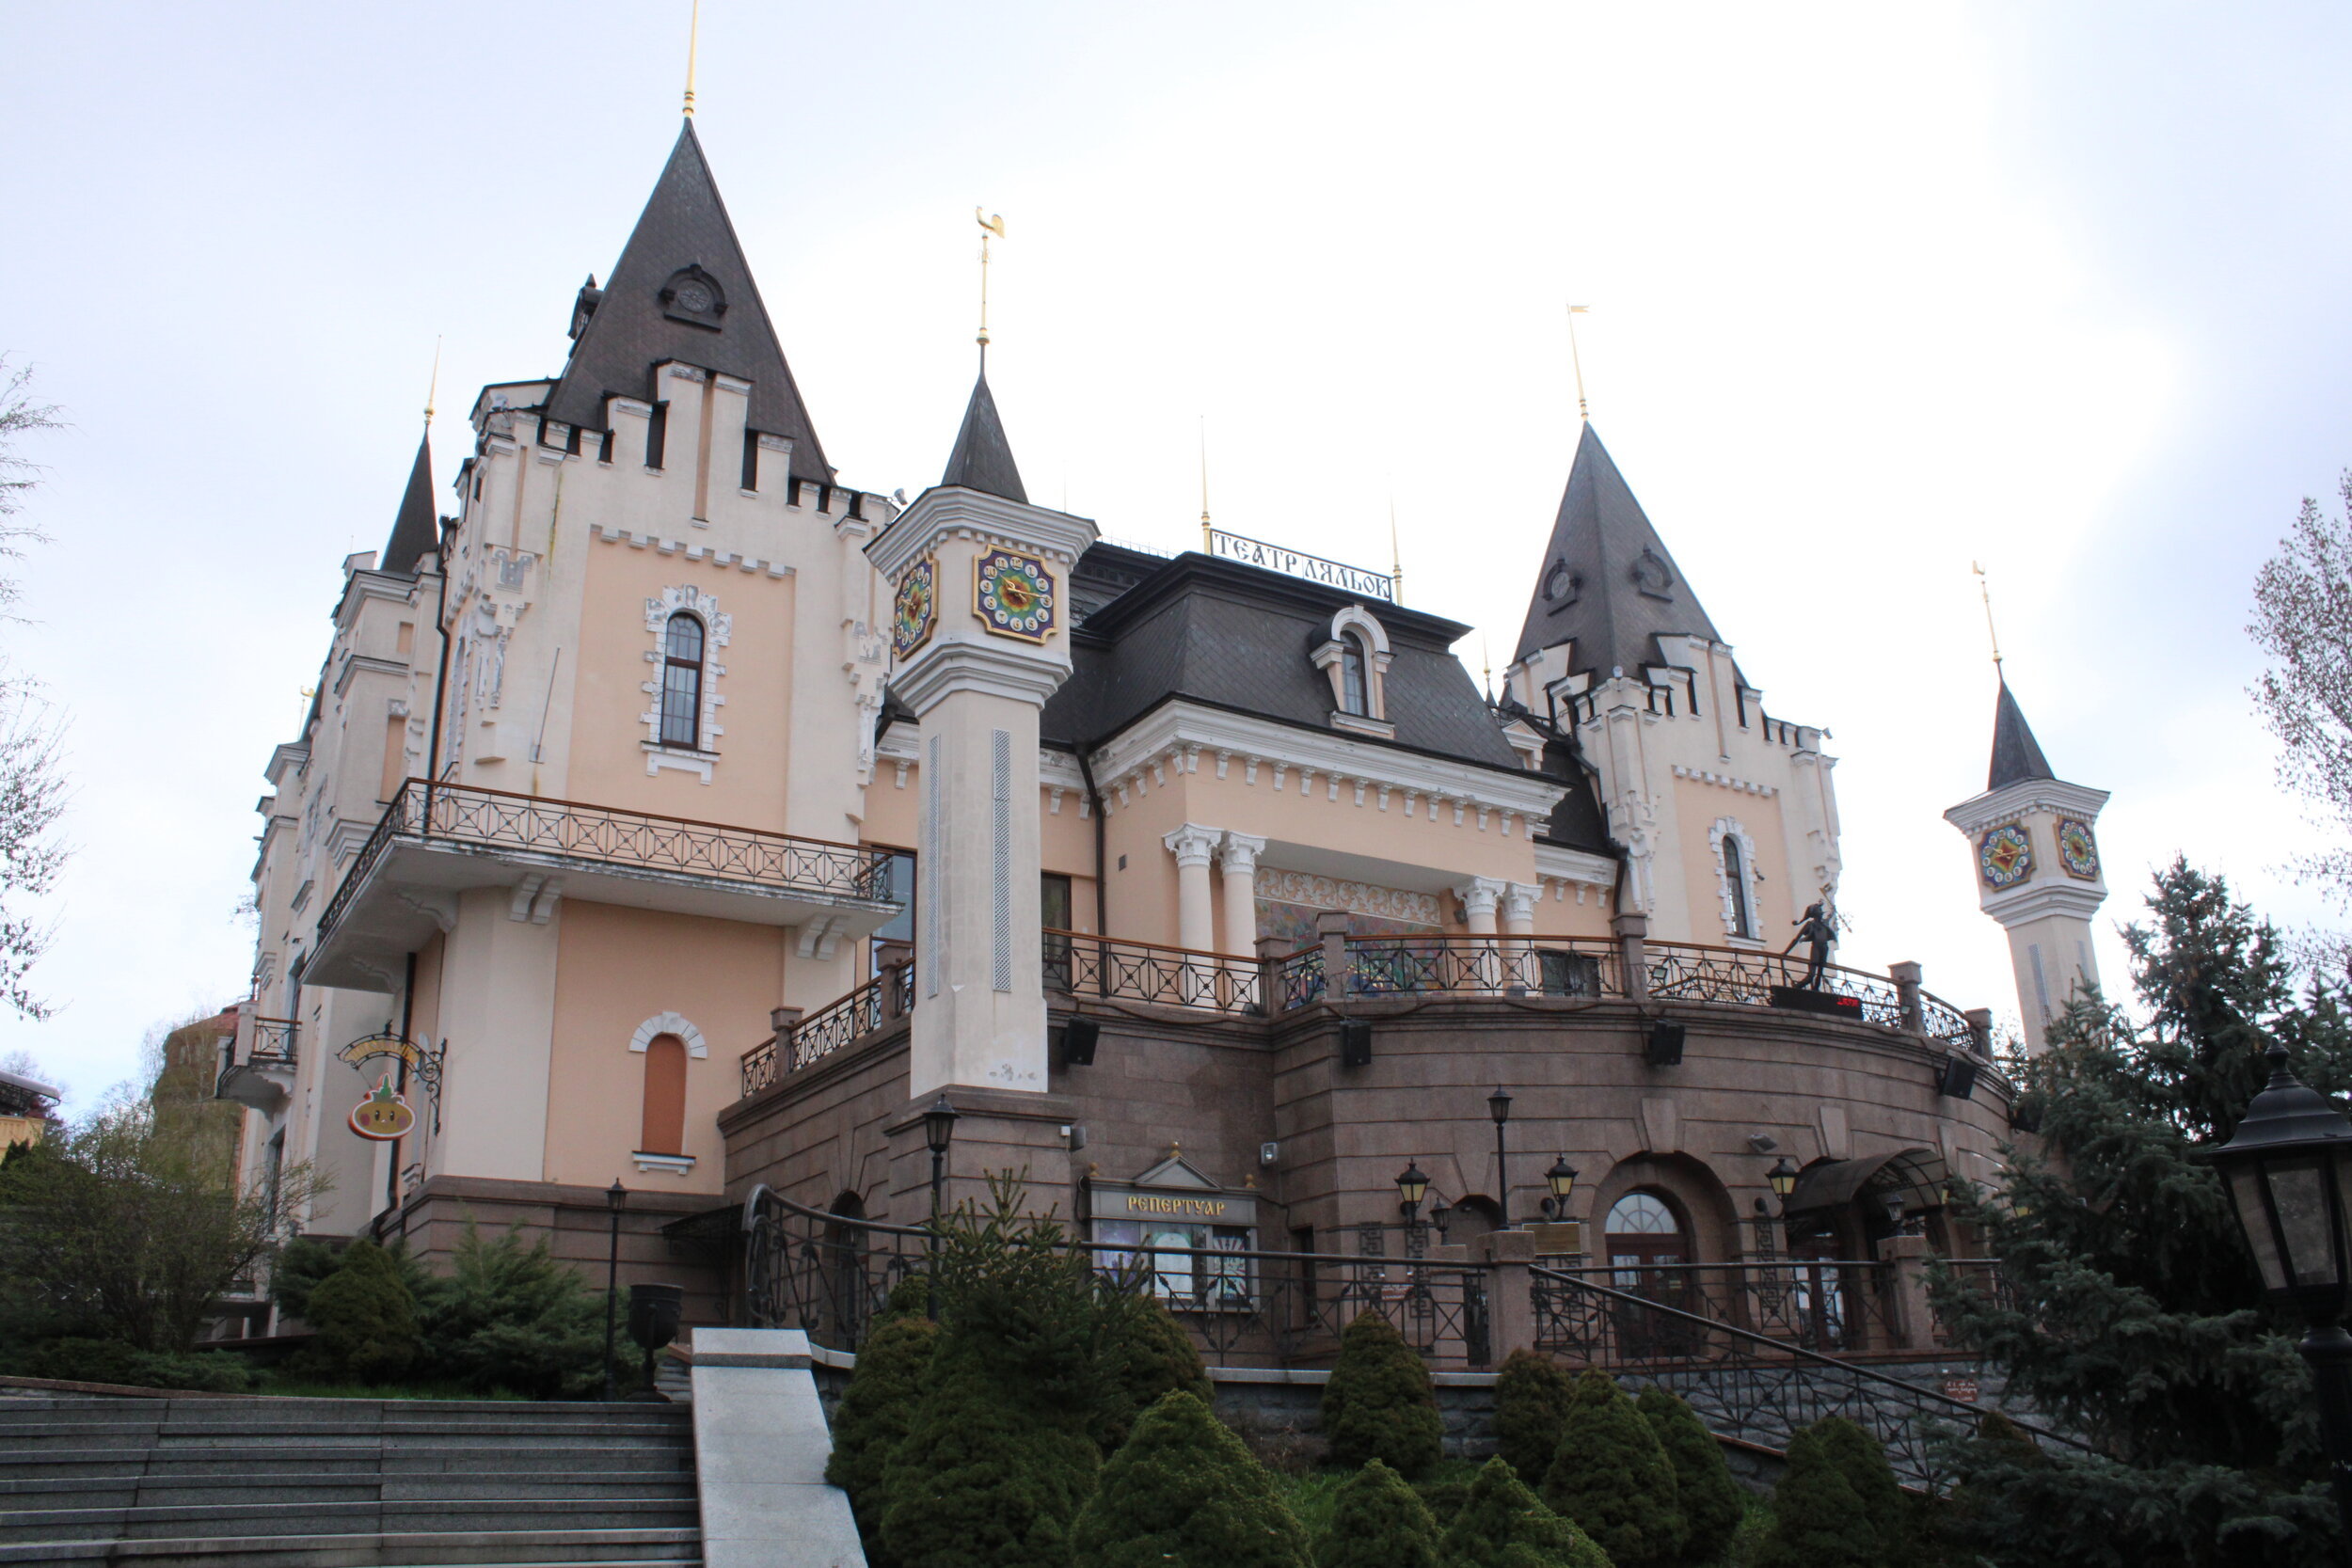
[1644,1242]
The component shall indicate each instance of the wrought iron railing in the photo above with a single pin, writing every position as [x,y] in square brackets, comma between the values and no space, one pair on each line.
[830,1028]
[1301,978]
[463,815]
[1833,1307]
[1503,966]
[831,1274]
[1146,972]
[271,1044]
[1744,1385]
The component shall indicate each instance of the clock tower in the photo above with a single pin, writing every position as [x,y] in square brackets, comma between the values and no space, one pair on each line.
[2033,845]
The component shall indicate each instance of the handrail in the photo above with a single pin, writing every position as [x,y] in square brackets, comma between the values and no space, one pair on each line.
[825,1031]
[1083,964]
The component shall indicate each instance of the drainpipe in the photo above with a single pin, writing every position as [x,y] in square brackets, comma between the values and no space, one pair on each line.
[1102,885]
[407,1017]
[440,680]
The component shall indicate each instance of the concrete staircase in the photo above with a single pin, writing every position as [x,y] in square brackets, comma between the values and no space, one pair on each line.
[344,1483]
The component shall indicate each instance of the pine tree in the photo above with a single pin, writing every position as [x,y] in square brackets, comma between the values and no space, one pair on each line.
[365,1317]
[1530,1402]
[1862,1459]
[1144,1353]
[1185,1493]
[1818,1521]
[875,1413]
[982,1478]
[1378,1520]
[1503,1524]
[1613,1478]
[511,1317]
[1379,1402]
[1712,1503]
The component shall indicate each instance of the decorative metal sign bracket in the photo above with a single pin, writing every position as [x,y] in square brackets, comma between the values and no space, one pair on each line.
[424,1060]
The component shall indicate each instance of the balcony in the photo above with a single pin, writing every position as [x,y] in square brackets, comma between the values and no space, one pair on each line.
[258,1070]
[440,840]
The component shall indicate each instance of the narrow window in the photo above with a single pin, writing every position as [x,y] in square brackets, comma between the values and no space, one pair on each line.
[1354,688]
[664,1128]
[751,459]
[682,683]
[1053,912]
[657,435]
[395,760]
[1735,878]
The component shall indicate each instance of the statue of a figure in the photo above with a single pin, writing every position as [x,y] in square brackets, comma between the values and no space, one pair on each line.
[1818,928]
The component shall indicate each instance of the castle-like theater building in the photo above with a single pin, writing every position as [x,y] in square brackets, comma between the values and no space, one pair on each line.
[677,813]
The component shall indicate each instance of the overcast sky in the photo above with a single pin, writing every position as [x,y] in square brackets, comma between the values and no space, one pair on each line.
[1875,292]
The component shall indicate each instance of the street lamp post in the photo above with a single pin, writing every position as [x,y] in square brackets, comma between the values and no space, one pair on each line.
[2289,1169]
[939,1130]
[616,1199]
[1411,1187]
[1499,1107]
[1561,1179]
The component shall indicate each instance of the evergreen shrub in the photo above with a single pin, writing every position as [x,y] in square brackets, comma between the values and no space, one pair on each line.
[1379,1522]
[1503,1524]
[1185,1493]
[1379,1402]
[875,1413]
[1862,1459]
[1712,1503]
[1818,1520]
[983,1480]
[511,1317]
[1144,1354]
[1530,1402]
[1613,1477]
[75,1361]
[365,1317]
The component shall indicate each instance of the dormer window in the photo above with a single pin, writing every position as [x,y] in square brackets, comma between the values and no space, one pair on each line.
[682,682]
[1355,655]
[1354,682]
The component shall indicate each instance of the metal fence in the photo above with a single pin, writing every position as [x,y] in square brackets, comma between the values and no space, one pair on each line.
[1148,971]
[1502,966]
[825,1031]
[271,1044]
[1833,1307]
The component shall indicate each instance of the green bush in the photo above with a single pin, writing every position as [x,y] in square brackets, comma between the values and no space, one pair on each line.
[301,1266]
[1185,1493]
[1818,1521]
[876,1413]
[1530,1402]
[511,1317]
[1613,1478]
[1379,1403]
[1144,1353]
[1379,1522]
[1443,1499]
[1862,1459]
[365,1317]
[111,1361]
[1502,1525]
[983,1480]
[1712,1503]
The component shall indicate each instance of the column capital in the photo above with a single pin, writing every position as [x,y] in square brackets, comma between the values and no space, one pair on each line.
[1519,901]
[1239,854]
[1192,844]
[1480,895]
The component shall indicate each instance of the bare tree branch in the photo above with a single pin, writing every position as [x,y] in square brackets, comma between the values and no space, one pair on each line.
[2304,622]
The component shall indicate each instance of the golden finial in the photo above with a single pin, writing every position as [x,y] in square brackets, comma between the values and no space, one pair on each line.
[993,224]
[1576,359]
[1984,587]
[1205,543]
[1486,666]
[1397,558]
[694,36]
[1175,1149]
[432,386]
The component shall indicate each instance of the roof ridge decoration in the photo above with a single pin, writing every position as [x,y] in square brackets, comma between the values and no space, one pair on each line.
[683,289]
[1609,584]
[982,457]
[2016,755]
[415,529]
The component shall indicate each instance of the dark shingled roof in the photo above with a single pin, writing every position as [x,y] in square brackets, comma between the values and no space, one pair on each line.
[982,459]
[1238,638]
[413,530]
[1607,580]
[2016,755]
[631,328]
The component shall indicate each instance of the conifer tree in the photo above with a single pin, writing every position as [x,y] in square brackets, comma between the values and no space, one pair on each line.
[875,1415]
[365,1317]
[1379,1402]
[1818,1521]
[983,1478]
[1185,1493]
[1378,1520]
[1613,1478]
[1144,1353]
[1862,1459]
[1712,1504]
[1503,1524]
[1530,1402]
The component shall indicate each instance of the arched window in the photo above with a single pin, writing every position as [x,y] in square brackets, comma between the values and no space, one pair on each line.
[1641,1231]
[1735,878]
[1355,685]
[664,1128]
[682,682]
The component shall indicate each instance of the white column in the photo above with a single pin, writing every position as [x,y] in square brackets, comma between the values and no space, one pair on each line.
[1238,859]
[1479,896]
[1518,925]
[1192,844]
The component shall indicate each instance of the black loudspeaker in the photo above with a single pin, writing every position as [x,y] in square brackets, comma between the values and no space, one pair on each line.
[1665,1044]
[1078,1040]
[1956,1078]
[1354,1043]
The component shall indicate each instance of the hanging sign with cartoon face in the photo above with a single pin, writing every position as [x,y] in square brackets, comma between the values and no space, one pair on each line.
[383,1115]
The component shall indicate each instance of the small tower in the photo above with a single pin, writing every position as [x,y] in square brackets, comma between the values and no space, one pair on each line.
[2033,841]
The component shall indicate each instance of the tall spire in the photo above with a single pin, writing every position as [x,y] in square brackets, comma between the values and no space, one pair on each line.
[2016,755]
[415,533]
[683,289]
[982,458]
[1608,584]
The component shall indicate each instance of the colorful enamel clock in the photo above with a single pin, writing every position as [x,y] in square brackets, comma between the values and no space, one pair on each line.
[2005,856]
[2077,850]
[915,610]
[1015,596]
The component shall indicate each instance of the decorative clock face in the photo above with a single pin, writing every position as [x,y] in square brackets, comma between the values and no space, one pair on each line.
[915,610]
[2005,856]
[1015,596]
[2077,850]
[695,297]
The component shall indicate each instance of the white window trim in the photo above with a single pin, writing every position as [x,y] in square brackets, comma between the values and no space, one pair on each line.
[669,1023]
[717,629]
[1729,827]
[1355,618]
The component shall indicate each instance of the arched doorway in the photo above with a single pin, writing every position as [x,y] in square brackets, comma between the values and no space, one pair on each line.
[1647,1244]
[841,1268]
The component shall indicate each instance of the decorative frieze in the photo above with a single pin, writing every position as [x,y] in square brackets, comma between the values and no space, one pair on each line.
[1365,899]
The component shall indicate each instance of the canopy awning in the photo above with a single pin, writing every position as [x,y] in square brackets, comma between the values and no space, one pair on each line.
[1918,1174]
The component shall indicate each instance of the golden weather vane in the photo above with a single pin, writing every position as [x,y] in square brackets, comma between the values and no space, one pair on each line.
[1397,558]
[694,35]
[992,223]
[1984,587]
[1205,545]
[432,386]
[1577,361]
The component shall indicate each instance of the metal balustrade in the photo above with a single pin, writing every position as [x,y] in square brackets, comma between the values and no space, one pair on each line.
[270,1044]
[829,1028]
[1082,966]
[1502,966]
[1831,1306]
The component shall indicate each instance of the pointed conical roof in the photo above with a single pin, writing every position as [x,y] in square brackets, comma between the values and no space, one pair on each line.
[1608,582]
[682,290]
[982,458]
[2016,755]
[413,530]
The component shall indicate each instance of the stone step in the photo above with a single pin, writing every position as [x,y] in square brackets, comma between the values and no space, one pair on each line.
[28,1435]
[239,1520]
[497,1486]
[551,1549]
[322,1459]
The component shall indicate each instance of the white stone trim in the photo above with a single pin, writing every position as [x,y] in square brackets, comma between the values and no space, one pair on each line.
[1580,866]
[2014,802]
[724,559]
[1730,828]
[1310,891]
[718,630]
[675,1165]
[1192,844]
[669,1023]
[1326,658]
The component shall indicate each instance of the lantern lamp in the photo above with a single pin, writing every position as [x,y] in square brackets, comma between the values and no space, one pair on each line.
[1561,1179]
[1411,1186]
[939,1125]
[1783,1176]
